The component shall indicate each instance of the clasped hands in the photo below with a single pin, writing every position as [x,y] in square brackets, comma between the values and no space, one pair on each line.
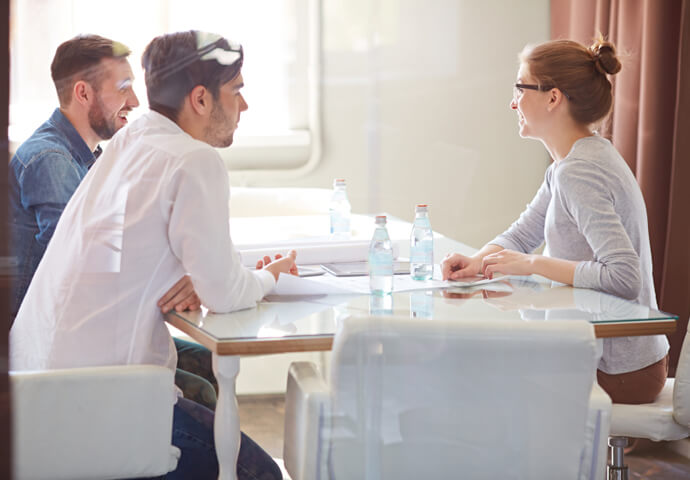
[182,296]
[508,262]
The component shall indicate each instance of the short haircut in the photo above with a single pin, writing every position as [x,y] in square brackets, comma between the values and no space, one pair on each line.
[175,63]
[79,58]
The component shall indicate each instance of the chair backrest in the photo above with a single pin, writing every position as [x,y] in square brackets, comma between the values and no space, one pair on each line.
[461,399]
[96,422]
[681,385]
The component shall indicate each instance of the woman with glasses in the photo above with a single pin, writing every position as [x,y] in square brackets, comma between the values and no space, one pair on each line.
[589,210]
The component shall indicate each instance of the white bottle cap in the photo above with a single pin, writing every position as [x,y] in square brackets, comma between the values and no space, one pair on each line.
[380,219]
[339,182]
[421,207]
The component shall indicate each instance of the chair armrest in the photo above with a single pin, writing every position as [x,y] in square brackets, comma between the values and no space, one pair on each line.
[307,403]
[597,427]
[95,422]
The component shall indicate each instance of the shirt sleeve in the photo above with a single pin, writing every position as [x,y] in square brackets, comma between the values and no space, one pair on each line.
[526,234]
[47,184]
[199,235]
[587,198]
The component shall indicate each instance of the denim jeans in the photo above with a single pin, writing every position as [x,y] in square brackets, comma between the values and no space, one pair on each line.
[194,374]
[193,435]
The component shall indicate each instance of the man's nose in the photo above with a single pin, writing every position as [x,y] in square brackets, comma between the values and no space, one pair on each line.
[133,101]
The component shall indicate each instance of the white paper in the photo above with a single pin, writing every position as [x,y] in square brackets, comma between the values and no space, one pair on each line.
[311,252]
[330,285]
[476,280]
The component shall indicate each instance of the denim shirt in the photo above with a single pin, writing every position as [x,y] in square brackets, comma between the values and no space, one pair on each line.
[44,173]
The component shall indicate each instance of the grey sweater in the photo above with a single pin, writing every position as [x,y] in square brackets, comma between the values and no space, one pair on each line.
[590,209]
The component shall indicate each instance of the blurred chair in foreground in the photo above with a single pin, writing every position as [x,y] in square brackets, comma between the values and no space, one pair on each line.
[411,398]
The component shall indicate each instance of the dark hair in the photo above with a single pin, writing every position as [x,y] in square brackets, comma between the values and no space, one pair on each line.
[581,73]
[79,58]
[174,64]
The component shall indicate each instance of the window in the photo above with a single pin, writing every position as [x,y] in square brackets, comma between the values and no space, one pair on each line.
[280,38]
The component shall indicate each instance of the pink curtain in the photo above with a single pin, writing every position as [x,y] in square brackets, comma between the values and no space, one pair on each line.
[650,124]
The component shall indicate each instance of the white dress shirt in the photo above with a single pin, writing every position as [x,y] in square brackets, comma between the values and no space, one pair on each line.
[152,208]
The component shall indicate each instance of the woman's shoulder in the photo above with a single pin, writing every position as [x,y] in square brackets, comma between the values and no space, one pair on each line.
[594,149]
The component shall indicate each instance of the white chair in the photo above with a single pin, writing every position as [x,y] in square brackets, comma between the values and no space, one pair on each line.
[668,418]
[411,398]
[93,423]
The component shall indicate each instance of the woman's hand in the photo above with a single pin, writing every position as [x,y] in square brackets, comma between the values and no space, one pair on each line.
[508,262]
[456,266]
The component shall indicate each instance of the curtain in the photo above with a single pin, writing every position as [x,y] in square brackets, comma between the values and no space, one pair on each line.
[650,123]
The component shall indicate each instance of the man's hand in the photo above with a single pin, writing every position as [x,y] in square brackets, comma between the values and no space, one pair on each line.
[280,265]
[180,297]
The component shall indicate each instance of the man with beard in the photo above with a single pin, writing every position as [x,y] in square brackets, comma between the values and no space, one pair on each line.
[154,207]
[93,80]
[94,86]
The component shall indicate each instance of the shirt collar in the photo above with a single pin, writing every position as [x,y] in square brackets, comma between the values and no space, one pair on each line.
[80,150]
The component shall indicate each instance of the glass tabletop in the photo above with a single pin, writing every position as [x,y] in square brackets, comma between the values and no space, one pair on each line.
[530,299]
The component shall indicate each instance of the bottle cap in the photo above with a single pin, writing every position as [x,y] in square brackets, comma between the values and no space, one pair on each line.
[380,219]
[339,182]
[421,207]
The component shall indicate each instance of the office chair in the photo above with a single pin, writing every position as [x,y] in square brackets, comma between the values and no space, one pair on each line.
[668,418]
[412,398]
[93,423]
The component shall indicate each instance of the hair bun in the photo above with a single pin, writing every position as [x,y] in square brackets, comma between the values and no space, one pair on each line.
[605,57]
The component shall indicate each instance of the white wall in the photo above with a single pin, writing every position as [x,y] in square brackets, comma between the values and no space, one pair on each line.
[415,110]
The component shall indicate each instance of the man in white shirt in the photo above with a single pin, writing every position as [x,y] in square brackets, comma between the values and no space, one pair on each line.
[154,207]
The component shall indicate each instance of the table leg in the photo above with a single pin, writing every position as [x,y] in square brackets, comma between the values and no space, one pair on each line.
[227,422]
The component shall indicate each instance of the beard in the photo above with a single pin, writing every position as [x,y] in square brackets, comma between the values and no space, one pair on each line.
[219,132]
[104,128]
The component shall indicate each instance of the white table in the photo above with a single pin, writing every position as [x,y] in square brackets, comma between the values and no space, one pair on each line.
[302,324]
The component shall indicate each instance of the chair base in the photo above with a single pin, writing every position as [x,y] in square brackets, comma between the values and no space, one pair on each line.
[617,469]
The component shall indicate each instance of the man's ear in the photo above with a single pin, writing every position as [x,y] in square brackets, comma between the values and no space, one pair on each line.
[200,100]
[82,92]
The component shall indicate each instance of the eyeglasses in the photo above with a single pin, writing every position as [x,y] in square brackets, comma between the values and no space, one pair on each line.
[518,89]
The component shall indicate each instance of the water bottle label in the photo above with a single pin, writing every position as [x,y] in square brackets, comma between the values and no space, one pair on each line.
[339,223]
[422,252]
[381,264]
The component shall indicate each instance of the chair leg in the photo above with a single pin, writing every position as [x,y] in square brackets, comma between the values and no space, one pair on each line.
[617,469]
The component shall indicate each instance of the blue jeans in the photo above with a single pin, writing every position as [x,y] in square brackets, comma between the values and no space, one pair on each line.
[194,375]
[193,434]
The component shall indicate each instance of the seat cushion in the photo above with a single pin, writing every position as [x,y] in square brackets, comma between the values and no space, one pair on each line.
[650,420]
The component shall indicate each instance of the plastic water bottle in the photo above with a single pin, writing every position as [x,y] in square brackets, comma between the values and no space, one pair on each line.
[422,304]
[381,260]
[339,208]
[421,245]
[381,304]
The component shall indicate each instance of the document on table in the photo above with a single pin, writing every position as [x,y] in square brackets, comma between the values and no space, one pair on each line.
[330,285]
[476,280]
[311,251]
